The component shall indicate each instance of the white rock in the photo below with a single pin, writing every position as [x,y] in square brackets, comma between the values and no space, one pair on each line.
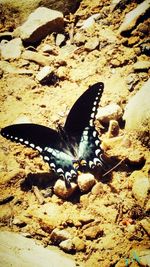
[60,38]
[141,65]
[86,181]
[90,21]
[140,189]
[62,191]
[39,24]
[58,236]
[132,17]
[44,74]
[110,112]
[11,49]
[137,111]
[67,245]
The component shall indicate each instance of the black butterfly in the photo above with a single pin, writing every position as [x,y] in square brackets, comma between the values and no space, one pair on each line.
[75,147]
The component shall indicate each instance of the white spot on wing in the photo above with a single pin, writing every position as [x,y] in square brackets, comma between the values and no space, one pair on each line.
[39,148]
[46,158]
[32,145]
[26,142]
[59,170]
[94,133]
[97,152]
[97,142]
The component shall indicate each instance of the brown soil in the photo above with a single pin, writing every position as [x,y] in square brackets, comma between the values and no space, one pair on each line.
[108,219]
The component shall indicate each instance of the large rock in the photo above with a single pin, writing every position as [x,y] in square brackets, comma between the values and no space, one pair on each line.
[40,23]
[137,113]
[16,12]
[16,250]
[132,17]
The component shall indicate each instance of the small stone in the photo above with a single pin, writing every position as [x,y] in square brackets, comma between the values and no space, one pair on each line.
[57,236]
[140,188]
[133,40]
[86,181]
[67,245]
[19,222]
[62,191]
[93,232]
[49,49]
[141,65]
[115,62]
[78,243]
[12,49]
[98,189]
[44,74]
[109,112]
[36,57]
[132,17]
[90,21]
[39,24]
[92,44]
[113,129]
[60,38]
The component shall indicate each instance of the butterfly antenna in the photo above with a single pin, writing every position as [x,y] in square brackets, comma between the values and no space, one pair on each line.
[113,168]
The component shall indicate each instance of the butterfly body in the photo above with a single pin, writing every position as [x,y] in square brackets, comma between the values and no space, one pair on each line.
[76,147]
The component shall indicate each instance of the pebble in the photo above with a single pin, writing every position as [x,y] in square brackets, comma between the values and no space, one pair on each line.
[62,191]
[92,44]
[57,236]
[11,49]
[86,181]
[98,189]
[78,243]
[140,188]
[90,21]
[39,24]
[132,17]
[60,38]
[141,65]
[93,232]
[67,245]
[113,129]
[109,112]
[44,74]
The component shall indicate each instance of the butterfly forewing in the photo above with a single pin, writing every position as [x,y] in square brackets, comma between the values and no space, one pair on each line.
[33,135]
[84,110]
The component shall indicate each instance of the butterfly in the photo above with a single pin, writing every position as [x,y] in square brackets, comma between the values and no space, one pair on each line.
[75,147]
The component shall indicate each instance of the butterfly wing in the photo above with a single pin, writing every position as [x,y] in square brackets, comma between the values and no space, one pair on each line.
[80,126]
[32,135]
[47,141]
[83,111]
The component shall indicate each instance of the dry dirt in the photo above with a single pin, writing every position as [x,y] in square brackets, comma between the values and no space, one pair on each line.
[108,220]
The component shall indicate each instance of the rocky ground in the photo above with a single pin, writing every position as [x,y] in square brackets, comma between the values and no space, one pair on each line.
[42,74]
